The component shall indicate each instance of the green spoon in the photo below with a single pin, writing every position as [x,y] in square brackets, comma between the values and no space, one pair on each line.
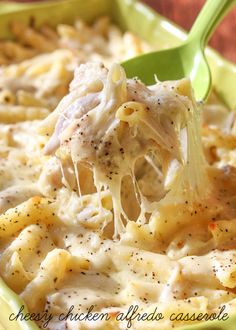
[187,60]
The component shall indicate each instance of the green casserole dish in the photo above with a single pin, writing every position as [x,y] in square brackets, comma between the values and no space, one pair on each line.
[159,32]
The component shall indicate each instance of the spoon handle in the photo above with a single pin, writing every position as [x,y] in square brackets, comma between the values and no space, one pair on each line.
[210,16]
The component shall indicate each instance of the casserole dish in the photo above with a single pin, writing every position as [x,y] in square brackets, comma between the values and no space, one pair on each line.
[155,30]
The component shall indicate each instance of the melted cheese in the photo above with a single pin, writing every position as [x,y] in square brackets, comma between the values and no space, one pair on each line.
[112,123]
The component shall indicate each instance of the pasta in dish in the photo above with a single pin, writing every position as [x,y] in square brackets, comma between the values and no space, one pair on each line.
[116,197]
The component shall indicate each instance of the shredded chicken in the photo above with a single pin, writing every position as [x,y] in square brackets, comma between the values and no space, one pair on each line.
[108,123]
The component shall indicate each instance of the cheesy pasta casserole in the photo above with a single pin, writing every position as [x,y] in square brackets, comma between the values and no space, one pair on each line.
[116,198]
